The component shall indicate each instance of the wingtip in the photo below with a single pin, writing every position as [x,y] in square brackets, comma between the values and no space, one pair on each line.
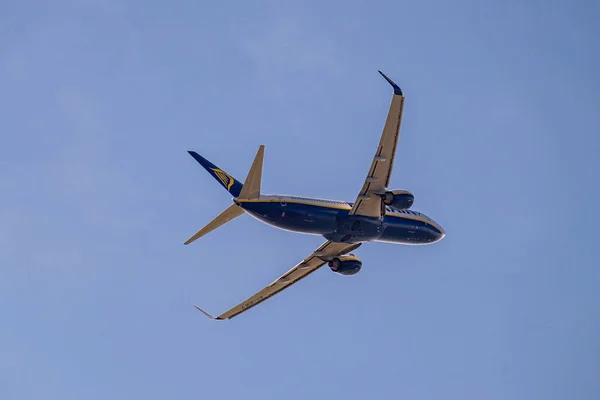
[397,89]
[205,313]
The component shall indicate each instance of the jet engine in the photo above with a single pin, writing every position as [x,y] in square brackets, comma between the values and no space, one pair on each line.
[398,199]
[346,265]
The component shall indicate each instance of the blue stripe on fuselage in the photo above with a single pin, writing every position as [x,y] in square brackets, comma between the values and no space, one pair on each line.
[297,217]
[323,219]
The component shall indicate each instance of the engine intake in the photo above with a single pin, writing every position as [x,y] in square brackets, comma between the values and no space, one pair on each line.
[346,265]
[399,199]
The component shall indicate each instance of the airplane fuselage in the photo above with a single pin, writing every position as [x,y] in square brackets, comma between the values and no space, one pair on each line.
[330,219]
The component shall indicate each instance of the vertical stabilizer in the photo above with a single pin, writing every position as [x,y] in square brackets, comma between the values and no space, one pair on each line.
[227,181]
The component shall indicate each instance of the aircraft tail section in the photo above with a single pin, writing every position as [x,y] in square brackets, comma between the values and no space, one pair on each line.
[249,190]
[232,185]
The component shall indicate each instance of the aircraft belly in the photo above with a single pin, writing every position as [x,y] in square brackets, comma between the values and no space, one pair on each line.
[295,217]
[356,229]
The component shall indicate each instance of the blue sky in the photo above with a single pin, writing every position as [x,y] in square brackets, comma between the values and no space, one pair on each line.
[500,143]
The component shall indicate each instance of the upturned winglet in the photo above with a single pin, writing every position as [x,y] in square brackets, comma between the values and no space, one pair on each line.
[207,314]
[397,89]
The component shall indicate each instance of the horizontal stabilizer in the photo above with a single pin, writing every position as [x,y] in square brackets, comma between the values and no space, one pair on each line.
[251,188]
[230,213]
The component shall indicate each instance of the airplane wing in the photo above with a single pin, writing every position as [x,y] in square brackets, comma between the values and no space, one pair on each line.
[317,259]
[369,202]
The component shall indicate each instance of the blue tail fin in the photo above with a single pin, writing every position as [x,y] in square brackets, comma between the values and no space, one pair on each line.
[229,182]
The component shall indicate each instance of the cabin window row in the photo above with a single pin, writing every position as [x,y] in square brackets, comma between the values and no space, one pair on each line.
[320,201]
[402,211]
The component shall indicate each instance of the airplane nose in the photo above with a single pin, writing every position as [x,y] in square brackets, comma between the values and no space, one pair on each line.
[436,232]
[441,232]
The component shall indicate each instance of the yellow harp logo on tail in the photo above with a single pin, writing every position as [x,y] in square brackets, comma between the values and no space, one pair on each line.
[224,177]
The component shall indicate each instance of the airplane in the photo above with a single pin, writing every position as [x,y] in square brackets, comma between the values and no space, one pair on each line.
[377,215]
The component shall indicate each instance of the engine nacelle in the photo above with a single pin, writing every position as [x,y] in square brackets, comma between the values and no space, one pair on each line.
[399,199]
[346,265]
